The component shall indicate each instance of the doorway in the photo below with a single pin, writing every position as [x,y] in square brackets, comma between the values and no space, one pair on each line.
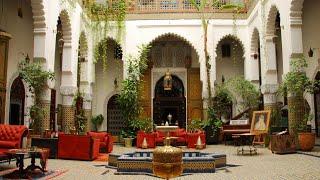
[317,107]
[170,102]
[17,99]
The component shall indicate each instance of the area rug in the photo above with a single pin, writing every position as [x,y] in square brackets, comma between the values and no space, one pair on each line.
[37,174]
[103,157]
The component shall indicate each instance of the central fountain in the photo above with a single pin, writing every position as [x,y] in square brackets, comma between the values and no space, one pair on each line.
[167,160]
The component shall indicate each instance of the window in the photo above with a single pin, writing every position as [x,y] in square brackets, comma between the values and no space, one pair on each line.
[226,50]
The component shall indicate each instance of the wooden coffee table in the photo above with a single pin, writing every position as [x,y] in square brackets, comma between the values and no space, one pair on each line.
[19,154]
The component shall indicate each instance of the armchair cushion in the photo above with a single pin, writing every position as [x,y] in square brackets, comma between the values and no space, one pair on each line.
[150,138]
[192,138]
[8,144]
[105,140]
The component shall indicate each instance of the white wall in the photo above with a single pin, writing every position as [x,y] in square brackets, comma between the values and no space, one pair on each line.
[20,45]
[104,84]
[311,39]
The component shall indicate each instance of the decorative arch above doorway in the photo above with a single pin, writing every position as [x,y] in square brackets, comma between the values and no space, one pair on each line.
[17,101]
[172,102]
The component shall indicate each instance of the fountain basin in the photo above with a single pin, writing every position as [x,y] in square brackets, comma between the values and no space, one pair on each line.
[141,162]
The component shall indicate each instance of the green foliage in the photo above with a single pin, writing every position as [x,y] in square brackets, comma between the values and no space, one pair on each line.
[128,98]
[213,121]
[222,101]
[97,121]
[127,133]
[143,124]
[36,79]
[81,122]
[296,81]
[101,52]
[245,90]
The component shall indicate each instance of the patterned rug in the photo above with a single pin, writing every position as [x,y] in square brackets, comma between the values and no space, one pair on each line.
[37,174]
[103,157]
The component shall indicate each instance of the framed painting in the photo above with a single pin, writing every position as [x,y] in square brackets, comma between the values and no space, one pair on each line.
[260,122]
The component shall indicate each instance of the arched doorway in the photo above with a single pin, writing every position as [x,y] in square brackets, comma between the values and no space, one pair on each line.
[317,107]
[170,102]
[114,118]
[17,99]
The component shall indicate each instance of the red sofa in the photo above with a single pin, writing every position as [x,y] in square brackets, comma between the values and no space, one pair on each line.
[105,140]
[193,137]
[11,137]
[78,147]
[150,137]
[180,133]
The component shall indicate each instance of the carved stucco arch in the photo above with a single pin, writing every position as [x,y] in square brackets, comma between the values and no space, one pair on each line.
[255,35]
[38,12]
[271,20]
[177,36]
[66,27]
[83,45]
[235,38]
[296,6]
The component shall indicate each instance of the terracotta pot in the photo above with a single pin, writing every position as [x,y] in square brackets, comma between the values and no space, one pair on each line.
[306,141]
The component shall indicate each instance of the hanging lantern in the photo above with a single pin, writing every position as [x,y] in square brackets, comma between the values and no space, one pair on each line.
[167,81]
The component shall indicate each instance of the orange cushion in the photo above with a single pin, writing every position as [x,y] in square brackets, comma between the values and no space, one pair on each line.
[98,135]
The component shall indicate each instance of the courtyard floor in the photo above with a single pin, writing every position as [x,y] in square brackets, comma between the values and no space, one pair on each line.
[265,165]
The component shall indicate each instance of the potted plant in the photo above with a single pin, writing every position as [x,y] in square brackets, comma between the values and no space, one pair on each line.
[127,135]
[222,103]
[212,126]
[306,139]
[36,78]
[97,121]
[294,85]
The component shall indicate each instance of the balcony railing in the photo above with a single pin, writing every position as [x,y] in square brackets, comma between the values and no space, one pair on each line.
[180,6]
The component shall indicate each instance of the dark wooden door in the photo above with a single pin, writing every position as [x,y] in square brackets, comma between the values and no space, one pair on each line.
[53,110]
[17,100]
[4,40]
[317,107]
[114,118]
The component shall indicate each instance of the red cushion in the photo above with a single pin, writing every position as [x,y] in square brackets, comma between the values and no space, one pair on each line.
[178,133]
[98,135]
[8,144]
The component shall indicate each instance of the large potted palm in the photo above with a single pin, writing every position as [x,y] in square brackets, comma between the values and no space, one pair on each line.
[296,83]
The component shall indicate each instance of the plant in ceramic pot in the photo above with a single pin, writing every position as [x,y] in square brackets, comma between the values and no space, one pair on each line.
[295,84]
[222,102]
[212,126]
[97,121]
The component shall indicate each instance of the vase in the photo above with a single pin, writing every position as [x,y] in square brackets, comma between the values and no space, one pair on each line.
[144,143]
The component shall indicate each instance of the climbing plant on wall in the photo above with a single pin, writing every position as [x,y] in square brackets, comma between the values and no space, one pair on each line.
[106,17]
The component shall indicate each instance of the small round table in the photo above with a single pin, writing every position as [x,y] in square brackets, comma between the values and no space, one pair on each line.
[19,154]
[244,140]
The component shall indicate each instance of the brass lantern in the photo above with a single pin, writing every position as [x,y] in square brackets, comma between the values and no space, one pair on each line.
[167,81]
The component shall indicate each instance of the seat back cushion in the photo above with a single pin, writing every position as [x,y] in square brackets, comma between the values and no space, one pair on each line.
[98,135]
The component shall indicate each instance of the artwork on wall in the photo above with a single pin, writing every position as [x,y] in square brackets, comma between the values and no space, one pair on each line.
[260,121]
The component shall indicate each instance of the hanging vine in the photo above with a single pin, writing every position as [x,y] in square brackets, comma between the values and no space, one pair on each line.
[104,18]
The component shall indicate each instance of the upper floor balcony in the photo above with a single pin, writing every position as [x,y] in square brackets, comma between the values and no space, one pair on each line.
[183,6]
[163,9]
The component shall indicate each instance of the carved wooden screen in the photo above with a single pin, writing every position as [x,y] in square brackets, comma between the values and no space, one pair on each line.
[145,94]
[17,99]
[114,118]
[4,41]
[53,110]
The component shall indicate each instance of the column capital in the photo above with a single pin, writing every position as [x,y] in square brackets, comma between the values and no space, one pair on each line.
[68,90]
[269,88]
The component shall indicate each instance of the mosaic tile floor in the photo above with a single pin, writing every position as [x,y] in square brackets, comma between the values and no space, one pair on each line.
[265,165]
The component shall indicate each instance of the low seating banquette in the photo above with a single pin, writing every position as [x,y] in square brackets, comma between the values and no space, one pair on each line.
[105,141]
[11,137]
[182,138]
[78,147]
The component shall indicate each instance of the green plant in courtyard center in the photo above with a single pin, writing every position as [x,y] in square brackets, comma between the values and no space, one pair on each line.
[246,91]
[36,78]
[128,98]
